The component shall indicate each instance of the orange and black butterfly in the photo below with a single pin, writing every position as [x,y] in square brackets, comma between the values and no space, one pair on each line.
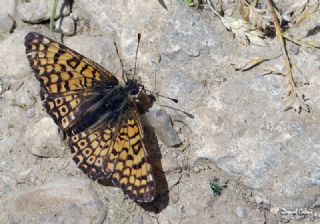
[99,115]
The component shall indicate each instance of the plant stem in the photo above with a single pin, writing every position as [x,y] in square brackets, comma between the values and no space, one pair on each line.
[53,14]
[212,8]
[280,35]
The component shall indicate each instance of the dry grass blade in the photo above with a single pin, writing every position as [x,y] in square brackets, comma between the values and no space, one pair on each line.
[251,63]
[272,71]
[295,100]
[257,17]
[243,31]
[307,43]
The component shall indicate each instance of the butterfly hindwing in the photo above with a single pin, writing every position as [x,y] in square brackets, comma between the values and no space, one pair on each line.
[129,161]
[91,148]
[119,152]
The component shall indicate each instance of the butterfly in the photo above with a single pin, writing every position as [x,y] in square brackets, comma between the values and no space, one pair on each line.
[99,115]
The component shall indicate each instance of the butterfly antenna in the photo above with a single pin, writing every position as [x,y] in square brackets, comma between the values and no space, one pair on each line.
[135,60]
[184,112]
[124,75]
[166,97]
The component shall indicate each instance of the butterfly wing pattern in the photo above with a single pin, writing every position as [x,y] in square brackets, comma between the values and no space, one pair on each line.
[99,116]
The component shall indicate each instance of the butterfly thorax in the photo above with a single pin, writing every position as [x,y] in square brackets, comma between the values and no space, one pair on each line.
[132,87]
[107,103]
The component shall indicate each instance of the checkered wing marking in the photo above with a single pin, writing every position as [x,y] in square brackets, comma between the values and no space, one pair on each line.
[119,153]
[64,75]
[62,109]
[129,163]
[90,148]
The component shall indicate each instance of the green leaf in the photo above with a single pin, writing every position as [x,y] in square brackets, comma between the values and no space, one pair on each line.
[161,2]
[193,3]
[216,187]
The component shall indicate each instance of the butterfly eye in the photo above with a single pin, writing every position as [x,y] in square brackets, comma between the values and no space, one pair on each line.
[135,91]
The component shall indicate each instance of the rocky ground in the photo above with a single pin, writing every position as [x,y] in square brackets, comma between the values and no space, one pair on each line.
[240,159]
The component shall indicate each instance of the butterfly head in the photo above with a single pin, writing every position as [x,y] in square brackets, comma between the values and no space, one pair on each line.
[133,87]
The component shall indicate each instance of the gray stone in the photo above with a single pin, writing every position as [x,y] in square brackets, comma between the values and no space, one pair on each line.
[169,215]
[4,216]
[126,22]
[14,73]
[44,138]
[6,24]
[129,14]
[170,165]
[61,200]
[258,199]
[66,26]
[31,112]
[22,176]
[98,48]
[239,130]
[74,16]
[7,183]
[36,11]
[161,122]
[7,13]
[316,202]
[8,8]
[239,124]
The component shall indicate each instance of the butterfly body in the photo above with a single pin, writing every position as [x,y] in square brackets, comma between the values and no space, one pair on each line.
[106,104]
[99,116]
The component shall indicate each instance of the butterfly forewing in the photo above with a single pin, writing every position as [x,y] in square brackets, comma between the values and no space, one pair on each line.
[71,87]
[64,75]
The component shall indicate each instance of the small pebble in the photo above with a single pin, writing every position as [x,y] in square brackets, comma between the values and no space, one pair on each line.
[6,24]
[7,180]
[275,210]
[258,199]
[66,25]
[241,212]
[161,122]
[37,11]
[196,169]
[23,175]
[44,139]
[31,112]
[170,165]
[62,200]
[74,16]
